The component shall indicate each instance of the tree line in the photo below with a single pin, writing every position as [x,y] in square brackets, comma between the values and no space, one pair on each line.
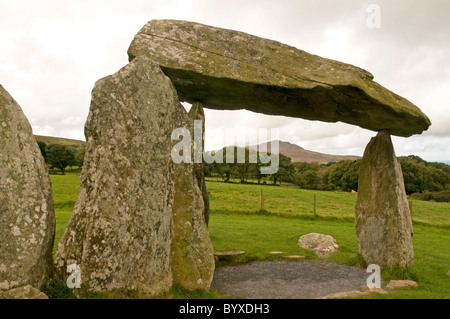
[60,156]
[425,180]
[244,172]
[420,176]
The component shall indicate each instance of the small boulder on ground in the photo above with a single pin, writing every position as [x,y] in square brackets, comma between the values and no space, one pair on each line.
[363,291]
[394,284]
[323,245]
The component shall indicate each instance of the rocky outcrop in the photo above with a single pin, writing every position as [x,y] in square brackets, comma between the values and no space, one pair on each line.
[27,219]
[323,245]
[25,292]
[192,251]
[231,70]
[121,229]
[382,216]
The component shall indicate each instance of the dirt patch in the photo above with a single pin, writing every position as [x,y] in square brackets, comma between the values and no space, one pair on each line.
[287,279]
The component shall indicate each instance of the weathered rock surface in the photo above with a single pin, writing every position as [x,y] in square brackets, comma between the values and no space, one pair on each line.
[25,292]
[323,245]
[226,69]
[380,290]
[196,113]
[394,284]
[364,290]
[27,219]
[121,229]
[192,251]
[382,217]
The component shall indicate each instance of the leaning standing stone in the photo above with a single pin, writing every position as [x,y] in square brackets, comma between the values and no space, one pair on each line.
[196,113]
[27,219]
[192,251]
[120,232]
[382,217]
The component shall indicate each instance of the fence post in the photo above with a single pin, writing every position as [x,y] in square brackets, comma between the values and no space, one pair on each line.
[262,199]
[314,204]
[410,208]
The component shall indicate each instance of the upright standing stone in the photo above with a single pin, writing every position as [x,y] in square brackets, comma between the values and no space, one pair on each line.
[382,217]
[120,232]
[27,218]
[196,113]
[192,251]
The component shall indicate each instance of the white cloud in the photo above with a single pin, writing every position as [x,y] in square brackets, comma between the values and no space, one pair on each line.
[53,51]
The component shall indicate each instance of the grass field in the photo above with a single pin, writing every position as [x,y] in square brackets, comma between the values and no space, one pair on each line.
[237,222]
[295,202]
[65,193]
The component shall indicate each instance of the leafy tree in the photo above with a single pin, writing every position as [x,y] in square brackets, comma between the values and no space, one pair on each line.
[416,159]
[285,170]
[308,179]
[224,169]
[305,166]
[412,176]
[60,156]
[344,175]
[306,175]
[349,180]
[208,169]
[43,147]
[246,169]
[337,171]
[79,156]
[421,176]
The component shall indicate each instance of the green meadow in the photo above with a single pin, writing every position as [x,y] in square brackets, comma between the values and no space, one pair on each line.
[238,221]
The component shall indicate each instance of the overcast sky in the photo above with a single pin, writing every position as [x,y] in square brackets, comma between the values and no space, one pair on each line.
[53,51]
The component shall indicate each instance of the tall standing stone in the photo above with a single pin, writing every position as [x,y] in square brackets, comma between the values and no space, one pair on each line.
[27,218]
[382,216]
[192,251]
[120,232]
[196,113]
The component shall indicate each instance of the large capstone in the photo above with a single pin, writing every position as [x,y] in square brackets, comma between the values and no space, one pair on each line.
[192,251]
[382,216]
[121,229]
[27,219]
[229,70]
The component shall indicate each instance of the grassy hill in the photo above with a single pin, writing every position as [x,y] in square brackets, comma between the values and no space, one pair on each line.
[295,152]
[299,154]
[59,140]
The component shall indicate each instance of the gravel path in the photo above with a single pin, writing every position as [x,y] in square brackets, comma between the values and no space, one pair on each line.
[287,279]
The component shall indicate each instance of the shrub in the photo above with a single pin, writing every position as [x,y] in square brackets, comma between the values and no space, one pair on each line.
[443,196]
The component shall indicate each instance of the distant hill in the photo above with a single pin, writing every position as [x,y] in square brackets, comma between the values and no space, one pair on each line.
[299,154]
[295,152]
[59,140]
